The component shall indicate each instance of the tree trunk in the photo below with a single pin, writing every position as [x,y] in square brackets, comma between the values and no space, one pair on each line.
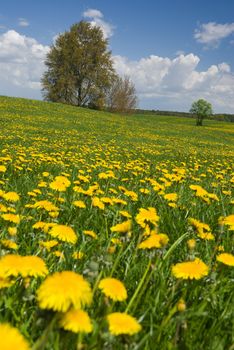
[199,121]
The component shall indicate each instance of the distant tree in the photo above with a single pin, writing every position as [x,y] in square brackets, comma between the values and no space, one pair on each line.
[79,67]
[122,97]
[201,109]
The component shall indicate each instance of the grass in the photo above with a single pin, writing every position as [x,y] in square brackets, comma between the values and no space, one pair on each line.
[143,158]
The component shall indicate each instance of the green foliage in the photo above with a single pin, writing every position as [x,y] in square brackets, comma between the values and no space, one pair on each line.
[121,97]
[79,67]
[202,109]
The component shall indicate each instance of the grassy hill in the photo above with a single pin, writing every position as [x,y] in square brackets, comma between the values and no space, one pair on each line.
[144,200]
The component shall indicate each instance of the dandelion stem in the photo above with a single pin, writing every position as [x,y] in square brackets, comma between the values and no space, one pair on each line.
[138,287]
[41,342]
[175,244]
[117,260]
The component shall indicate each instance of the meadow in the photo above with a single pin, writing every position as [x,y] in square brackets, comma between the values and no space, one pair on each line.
[116,231]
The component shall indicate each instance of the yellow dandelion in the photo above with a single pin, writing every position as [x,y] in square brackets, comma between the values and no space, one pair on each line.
[119,201]
[107,200]
[39,224]
[62,290]
[2,169]
[190,269]
[171,197]
[58,254]
[122,323]
[47,205]
[147,216]
[11,197]
[45,174]
[3,208]
[78,255]
[5,283]
[125,214]
[154,241]
[191,243]
[181,306]
[7,243]
[226,258]
[26,266]
[64,233]
[11,338]
[61,183]
[203,230]
[15,218]
[79,204]
[113,288]
[124,227]
[76,321]
[12,231]
[90,233]
[96,202]
[54,214]
[228,220]
[48,244]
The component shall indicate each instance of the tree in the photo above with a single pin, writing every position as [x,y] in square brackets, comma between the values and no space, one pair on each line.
[79,67]
[122,95]
[201,109]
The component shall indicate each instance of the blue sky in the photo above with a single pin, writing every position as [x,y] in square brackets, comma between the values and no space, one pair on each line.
[175,51]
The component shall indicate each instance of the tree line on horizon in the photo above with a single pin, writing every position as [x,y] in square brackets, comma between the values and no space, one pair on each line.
[216,116]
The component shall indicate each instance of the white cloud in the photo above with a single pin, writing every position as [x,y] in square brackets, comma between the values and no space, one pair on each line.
[212,33]
[96,17]
[175,83]
[21,63]
[161,82]
[93,13]
[23,22]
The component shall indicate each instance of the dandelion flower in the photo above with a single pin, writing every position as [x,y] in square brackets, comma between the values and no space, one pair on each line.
[96,202]
[147,216]
[48,244]
[122,323]
[11,338]
[78,255]
[191,243]
[154,241]
[90,233]
[47,205]
[76,321]
[79,204]
[226,258]
[2,169]
[62,290]
[11,218]
[11,196]
[12,231]
[5,283]
[60,184]
[203,230]
[26,266]
[181,306]
[228,220]
[190,269]
[124,227]
[125,214]
[171,197]
[113,288]
[64,233]
[7,243]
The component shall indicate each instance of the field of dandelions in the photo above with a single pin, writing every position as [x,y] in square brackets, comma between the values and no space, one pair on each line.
[116,231]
